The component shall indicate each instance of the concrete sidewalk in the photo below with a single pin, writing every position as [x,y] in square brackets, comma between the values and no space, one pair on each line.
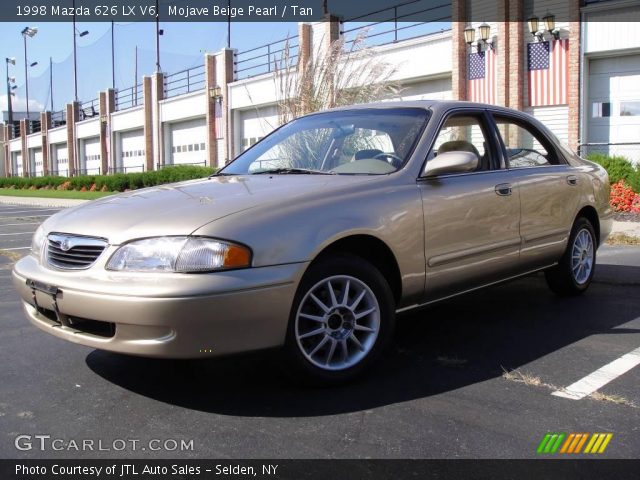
[40,201]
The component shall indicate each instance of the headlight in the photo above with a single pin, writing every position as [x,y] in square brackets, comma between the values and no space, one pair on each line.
[37,242]
[179,254]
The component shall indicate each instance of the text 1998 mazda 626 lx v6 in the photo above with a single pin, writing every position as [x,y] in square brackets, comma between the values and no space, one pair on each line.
[317,235]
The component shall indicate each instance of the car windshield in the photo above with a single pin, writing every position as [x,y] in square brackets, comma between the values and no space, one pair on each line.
[357,142]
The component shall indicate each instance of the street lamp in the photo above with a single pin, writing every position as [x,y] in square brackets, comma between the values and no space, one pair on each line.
[76,33]
[27,32]
[10,80]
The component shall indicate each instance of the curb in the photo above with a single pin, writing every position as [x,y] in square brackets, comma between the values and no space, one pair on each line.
[41,202]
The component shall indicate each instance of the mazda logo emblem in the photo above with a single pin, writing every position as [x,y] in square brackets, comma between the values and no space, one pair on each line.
[65,245]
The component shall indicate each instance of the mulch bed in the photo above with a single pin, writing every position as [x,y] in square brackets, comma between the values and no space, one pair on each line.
[627,217]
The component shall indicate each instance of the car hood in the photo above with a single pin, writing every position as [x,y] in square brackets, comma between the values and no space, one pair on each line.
[182,208]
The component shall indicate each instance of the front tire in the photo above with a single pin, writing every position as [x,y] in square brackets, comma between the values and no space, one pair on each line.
[574,272]
[342,316]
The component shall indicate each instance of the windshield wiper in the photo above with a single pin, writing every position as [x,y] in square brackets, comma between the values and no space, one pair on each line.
[308,171]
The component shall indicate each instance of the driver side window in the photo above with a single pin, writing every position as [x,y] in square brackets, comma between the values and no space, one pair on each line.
[463,132]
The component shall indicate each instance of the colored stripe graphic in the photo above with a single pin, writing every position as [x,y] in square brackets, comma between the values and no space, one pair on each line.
[550,443]
[598,442]
[573,443]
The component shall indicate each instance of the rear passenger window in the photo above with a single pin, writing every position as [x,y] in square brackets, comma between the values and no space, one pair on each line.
[525,148]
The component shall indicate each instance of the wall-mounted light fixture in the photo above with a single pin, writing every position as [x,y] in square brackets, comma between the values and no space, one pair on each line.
[483,42]
[216,94]
[534,26]
[485,32]
[550,25]
[469,35]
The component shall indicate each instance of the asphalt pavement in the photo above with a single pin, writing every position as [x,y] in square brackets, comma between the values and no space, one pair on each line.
[441,390]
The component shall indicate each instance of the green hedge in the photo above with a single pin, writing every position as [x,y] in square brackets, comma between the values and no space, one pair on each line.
[118,182]
[618,168]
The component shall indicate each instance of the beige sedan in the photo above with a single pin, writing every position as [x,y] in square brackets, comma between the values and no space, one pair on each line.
[314,238]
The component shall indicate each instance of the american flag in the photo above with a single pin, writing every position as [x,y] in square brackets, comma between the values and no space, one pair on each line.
[482,83]
[548,65]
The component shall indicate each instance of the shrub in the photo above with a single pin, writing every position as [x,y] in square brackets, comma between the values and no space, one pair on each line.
[118,182]
[618,168]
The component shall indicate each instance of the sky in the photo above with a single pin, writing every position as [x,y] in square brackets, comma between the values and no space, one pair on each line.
[182,46]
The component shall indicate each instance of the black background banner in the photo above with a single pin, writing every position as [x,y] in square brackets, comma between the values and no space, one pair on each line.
[320,469]
[412,11]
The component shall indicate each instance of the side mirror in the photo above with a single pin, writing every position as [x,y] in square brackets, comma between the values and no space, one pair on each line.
[451,162]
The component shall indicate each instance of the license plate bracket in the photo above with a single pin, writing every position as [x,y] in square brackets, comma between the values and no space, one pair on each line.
[50,291]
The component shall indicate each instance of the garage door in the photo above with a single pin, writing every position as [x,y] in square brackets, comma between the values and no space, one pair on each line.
[188,142]
[256,124]
[91,156]
[60,159]
[17,163]
[614,103]
[37,160]
[132,155]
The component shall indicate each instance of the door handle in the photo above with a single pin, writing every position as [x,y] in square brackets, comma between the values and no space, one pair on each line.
[572,180]
[503,189]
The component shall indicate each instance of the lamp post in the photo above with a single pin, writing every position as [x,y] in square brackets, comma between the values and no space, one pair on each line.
[27,32]
[11,61]
[159,32]
[228,23]
[113,56]
[76,33]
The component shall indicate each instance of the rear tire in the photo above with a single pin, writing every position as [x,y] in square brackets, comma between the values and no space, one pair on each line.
[342,317]
[574,272]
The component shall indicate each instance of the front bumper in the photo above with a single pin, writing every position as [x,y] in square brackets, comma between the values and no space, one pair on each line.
[162,315]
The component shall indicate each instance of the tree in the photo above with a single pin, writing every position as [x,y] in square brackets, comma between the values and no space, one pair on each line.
[348,73]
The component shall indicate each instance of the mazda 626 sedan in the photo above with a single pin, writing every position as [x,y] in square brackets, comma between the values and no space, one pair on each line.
[314,238]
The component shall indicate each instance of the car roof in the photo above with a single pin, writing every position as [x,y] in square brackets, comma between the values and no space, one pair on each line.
[435,105]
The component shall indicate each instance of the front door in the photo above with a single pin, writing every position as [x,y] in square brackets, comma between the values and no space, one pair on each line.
[471,219]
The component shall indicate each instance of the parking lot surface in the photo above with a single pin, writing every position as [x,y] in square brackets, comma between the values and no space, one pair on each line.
[472,377]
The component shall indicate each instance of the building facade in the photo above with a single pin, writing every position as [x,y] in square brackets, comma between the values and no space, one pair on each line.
[581,78]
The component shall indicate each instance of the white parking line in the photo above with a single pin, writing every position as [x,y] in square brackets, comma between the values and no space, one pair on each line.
[31,211]
[16,248]
[599,378]
[19,207]
[31,216]
[18,233]
[18,224]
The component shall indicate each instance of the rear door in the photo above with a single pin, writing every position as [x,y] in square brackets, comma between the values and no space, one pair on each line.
[548,186]
[471,219]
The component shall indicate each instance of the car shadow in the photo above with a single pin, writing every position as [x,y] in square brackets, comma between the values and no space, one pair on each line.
[441,348]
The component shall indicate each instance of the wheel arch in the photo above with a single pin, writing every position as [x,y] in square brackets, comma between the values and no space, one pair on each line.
[591,214]
[373,250]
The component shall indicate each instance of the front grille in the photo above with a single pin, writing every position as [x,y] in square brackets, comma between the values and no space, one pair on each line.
[70,252]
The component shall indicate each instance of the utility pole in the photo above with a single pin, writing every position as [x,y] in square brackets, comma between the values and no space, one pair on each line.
[228,23]
[157,38]
[28,32]
[135,83]
[9,94]
[26,73]
[113,57]
[75,55]
[51,81]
